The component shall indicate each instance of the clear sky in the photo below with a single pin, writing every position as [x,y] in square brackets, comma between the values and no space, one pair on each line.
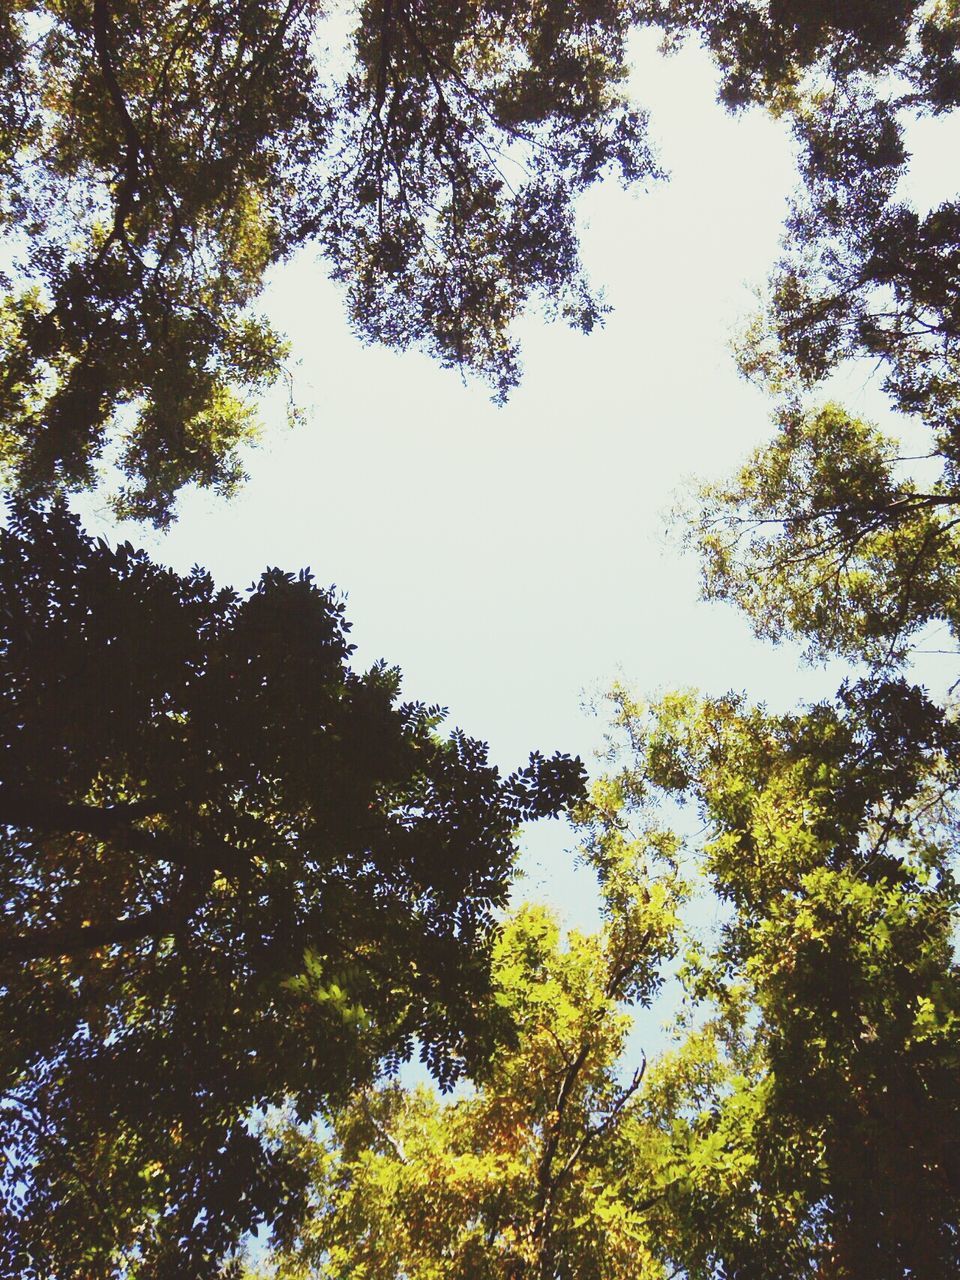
[514,561]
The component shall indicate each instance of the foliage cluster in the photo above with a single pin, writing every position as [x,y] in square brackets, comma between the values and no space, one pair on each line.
[804,1121]
[238,876]
[234,873]
[529,1176]
[158,157]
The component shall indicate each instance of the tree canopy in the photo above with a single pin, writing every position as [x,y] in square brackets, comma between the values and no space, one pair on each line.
[865,271]
[238,875]
[831,535]
[805,1119]
[158,158]
[530,1176]
[234,873]
[831,836]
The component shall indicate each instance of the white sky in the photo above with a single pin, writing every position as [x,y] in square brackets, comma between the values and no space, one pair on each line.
[511,560]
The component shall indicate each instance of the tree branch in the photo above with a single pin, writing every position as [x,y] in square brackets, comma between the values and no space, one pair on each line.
[132,175]
[65,940]
[158,921]
[20,807]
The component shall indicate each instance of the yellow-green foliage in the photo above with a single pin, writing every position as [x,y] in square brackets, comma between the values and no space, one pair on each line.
[527,1174]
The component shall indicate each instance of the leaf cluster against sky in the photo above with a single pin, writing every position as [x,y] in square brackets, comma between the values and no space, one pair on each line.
[148,234]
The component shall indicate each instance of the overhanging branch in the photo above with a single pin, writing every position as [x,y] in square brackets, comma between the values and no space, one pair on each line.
[20,807]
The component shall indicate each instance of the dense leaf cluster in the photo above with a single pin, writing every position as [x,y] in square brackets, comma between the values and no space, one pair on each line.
[828,535]
[158,157]
[804,1121]
[533,1175]
[831,835]
[237,875]
[234,872]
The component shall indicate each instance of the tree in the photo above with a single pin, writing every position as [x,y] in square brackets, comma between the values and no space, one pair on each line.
[830,1145]
[526,1176]
[234,872]
[158,157]
[806,1120]
[864,272]
[826,536]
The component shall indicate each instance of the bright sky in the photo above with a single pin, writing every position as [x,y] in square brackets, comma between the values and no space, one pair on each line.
[512,561]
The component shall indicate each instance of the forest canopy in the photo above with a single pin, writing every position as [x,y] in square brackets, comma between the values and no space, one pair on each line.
[158,159]
[242,882]
[803,1118]
[235,874]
